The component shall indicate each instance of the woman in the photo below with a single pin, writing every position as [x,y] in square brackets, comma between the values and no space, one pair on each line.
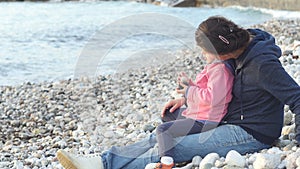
[207,100]
[255,114]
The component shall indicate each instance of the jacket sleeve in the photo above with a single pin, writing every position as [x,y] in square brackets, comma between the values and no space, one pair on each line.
[216,90]
[282,86]
[297,129]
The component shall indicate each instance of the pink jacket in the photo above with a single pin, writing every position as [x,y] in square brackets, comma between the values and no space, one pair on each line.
[208,98]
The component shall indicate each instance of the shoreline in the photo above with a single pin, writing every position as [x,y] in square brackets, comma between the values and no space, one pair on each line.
[291,5]
[89,116]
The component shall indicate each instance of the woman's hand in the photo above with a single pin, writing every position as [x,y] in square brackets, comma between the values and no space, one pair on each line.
[173,105]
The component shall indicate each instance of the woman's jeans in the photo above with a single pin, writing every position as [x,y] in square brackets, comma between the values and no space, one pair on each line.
[219,140]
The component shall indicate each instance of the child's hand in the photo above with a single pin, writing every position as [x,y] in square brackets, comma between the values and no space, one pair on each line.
[183,78]
[182,89]
[173,105]
[183,82]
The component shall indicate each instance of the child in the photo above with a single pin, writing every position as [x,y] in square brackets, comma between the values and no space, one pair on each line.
[207,101]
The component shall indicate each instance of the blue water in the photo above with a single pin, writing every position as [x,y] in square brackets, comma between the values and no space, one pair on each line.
[44,41]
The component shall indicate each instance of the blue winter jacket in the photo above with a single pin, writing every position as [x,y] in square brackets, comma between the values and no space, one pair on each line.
[261,88]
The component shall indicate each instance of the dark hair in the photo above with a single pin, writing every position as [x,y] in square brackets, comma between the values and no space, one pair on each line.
[219,35]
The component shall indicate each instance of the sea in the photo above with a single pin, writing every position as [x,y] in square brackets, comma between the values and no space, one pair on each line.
[52,41]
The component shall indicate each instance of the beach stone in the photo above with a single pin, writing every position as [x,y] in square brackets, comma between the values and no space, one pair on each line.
[134,117]
[233,158]
[220,163]
[188,166]
[266,161]
[76,133]
[295,148]
[132,136]
[296,51]
[4,163]
[287,52]
[18,164]
[251,159]
[274,150]
[109,134]
[292,136]
[288,116]
[289,146]
[209,160]
[196,161]
[282,165]
[286,130]
[298,162]
[232,167]
[282,143]
[148,127]
[291,160]
[206,166]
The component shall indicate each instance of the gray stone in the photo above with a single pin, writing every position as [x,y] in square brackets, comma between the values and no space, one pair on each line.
[148,127]
[196,161]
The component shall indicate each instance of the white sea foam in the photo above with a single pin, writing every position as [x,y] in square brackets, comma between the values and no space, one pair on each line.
[276,14]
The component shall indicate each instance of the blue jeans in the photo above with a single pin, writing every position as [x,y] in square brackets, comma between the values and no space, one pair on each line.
[219,140]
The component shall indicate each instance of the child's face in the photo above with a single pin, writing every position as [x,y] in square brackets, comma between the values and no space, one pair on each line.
[209,57]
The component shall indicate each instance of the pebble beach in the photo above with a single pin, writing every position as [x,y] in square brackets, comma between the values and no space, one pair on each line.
[89,115]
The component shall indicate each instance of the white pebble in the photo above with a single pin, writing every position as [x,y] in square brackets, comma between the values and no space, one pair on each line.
[291,160]
[233,158]
[286,130]
[274,150]
[209,159]
[109,134]
[298,162]
[266,161]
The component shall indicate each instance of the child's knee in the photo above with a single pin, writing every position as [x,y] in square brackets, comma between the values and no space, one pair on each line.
[162,128]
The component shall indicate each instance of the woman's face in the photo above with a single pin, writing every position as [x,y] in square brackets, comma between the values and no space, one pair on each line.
[209,57]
